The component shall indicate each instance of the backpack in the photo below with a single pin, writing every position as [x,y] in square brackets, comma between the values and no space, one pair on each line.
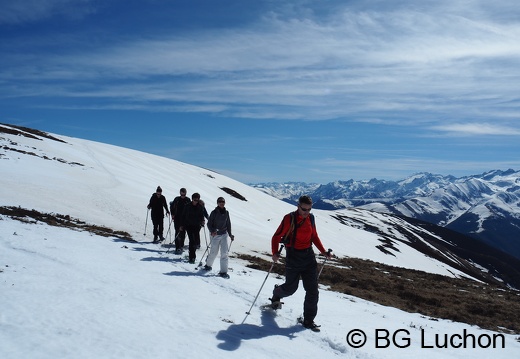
[294,227]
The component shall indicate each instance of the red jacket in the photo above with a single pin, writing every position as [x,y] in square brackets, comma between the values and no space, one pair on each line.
[306,234]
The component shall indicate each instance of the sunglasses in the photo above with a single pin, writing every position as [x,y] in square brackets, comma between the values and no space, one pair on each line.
[221,202]
[305,209]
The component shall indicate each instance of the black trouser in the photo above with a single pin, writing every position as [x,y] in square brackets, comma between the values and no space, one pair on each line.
[194,238]
[301,264]
[179,236]
[158,225]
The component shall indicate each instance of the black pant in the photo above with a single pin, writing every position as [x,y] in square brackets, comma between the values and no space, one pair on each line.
[158,226]
[180,236]
[301,264]
[194,241]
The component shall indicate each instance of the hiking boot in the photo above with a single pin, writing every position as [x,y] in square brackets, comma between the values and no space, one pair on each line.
[276,302]
[309,324]
[224,275]
[207,267]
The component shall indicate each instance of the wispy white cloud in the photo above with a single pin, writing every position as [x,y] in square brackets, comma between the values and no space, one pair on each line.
[470,129]
[411,64]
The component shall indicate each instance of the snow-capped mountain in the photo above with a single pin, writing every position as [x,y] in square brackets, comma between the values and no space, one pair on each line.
[484,206]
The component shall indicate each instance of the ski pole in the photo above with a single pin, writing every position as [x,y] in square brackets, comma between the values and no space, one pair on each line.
[325,261]
[267,276]
[146,222]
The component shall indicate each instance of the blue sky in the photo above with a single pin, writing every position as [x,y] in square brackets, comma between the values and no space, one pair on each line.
[266,90]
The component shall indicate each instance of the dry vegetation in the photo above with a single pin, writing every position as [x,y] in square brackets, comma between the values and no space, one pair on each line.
[59,220]
[485,305]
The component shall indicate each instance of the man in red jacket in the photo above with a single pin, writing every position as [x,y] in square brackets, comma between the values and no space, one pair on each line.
[298,232]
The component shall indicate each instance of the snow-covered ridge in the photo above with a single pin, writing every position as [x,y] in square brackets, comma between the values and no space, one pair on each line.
[484,206]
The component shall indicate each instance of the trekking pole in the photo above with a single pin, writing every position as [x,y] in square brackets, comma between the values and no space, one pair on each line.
[169,230]
[207,248]
[170,244]
[230,244]
[325,261]
[202,258]
[205,237]
[146,222]
[267,276]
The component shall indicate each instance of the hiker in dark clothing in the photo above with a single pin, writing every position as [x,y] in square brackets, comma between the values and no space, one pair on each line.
[156,204]
[298,232]
[192,220]
[206,215]
[176,208]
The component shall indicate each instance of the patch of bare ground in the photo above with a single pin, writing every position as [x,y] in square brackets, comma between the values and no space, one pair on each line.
[60,220]
[488,306]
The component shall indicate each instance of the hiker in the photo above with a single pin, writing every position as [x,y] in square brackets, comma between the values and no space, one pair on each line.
[298,232]
[206,215]
[176,208]
[219,226]
[192,220]
[156,204]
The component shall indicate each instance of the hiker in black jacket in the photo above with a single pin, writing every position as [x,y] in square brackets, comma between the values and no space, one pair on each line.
[156,204]
[177,207]
[192,220]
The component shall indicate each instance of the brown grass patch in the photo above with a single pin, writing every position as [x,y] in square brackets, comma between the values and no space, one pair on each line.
[488,306]
[60,220]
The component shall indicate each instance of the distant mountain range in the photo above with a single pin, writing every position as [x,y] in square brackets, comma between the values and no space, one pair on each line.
[485,206]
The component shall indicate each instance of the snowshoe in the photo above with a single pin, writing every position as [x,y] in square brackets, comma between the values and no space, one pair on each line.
[276,304]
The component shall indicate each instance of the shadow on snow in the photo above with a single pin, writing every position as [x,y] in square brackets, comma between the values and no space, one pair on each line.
[233,336]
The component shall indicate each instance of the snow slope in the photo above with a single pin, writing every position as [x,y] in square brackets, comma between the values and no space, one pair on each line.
[111,186]
[70,294]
